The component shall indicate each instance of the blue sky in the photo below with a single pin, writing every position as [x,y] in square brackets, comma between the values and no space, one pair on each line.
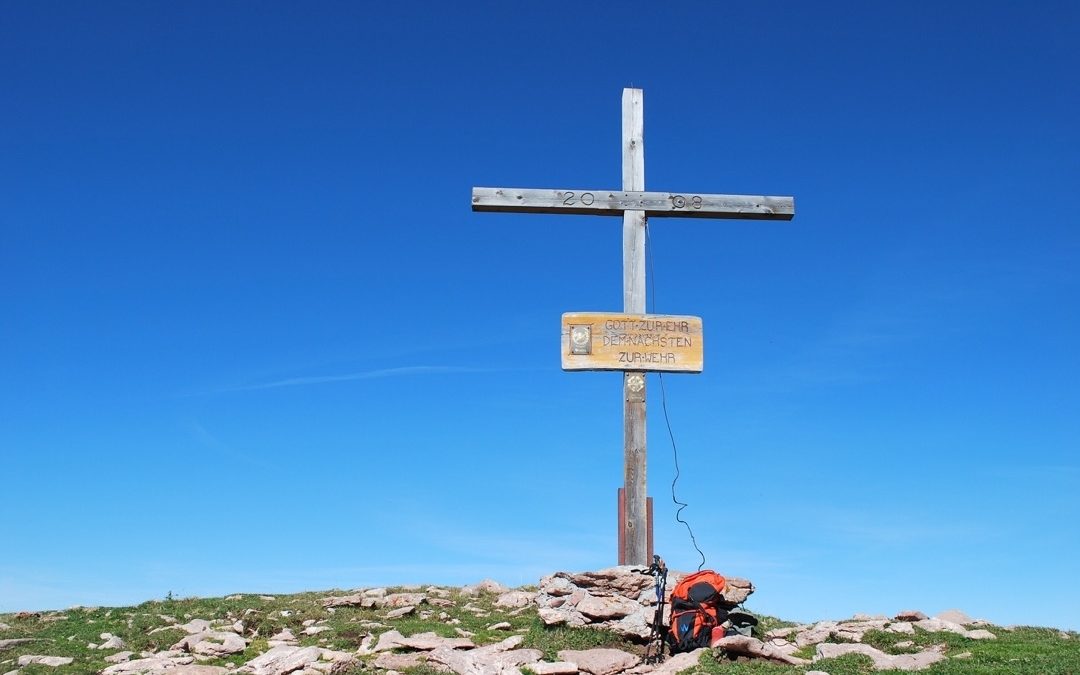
[252,338]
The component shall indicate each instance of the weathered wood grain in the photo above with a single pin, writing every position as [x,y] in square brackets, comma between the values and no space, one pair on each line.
[642,342]
[634,438]
[615,203]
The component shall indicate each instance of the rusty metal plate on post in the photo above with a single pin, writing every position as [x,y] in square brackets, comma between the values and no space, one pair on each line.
[646,342]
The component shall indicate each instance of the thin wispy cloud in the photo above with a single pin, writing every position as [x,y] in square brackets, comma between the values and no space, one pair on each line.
[401,371]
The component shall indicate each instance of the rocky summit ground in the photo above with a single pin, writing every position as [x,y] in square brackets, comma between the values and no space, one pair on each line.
[595,623]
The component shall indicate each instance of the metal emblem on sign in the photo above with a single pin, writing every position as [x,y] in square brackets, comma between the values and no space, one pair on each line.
[581,340]
[635,383]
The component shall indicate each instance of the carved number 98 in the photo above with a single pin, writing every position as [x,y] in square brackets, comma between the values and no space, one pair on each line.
[680,202]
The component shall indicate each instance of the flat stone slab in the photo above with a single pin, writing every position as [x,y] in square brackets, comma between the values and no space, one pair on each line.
[599,661]
[51,661]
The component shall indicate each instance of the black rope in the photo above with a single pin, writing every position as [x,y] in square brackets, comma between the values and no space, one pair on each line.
[667,418]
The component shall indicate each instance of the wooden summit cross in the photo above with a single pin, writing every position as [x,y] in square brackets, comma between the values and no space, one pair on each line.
[633,342]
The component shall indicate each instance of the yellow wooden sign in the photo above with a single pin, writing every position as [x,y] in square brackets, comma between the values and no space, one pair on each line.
[650,342]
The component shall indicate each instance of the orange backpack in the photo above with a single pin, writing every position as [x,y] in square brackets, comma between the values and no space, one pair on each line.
[695,610]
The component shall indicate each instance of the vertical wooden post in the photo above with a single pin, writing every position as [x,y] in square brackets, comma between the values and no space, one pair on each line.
[620,522]
[635,523]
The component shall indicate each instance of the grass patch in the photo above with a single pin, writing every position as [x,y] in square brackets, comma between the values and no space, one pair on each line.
[551,639]
[711,663]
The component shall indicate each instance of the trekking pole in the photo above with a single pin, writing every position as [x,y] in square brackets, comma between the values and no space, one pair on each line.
[659,570]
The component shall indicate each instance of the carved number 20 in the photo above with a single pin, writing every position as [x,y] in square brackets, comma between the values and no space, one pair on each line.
[586,198]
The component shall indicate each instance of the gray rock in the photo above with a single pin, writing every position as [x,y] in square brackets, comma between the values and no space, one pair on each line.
[622,581]
[433,641]
[485,586]
[365,645]
[901,627]
[782,645]
[336,661]
[493,659]
[936,625]
[817,633]
[149,665]
[679,663]
[51,661]
[599,661]
[514,599]
[11,642]
[390,661]
[737,590]
[354,600]
[556,668]
[396,600]
[557,586]
[212,643]
[112,642]
[196,626]
[553,617]
[315,630]
[605,608]
[635,626]
[400,612]
[502,625]
[391,639]
[748,646]
[954,616]
[855,630]
[119,657]
[281,661]
[284,637]
[980,634]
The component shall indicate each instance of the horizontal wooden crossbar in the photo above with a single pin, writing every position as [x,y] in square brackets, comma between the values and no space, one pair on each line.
[613,203]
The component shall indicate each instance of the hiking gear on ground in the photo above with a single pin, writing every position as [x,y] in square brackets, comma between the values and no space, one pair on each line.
[657,636]
[740,622]
[696,608]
